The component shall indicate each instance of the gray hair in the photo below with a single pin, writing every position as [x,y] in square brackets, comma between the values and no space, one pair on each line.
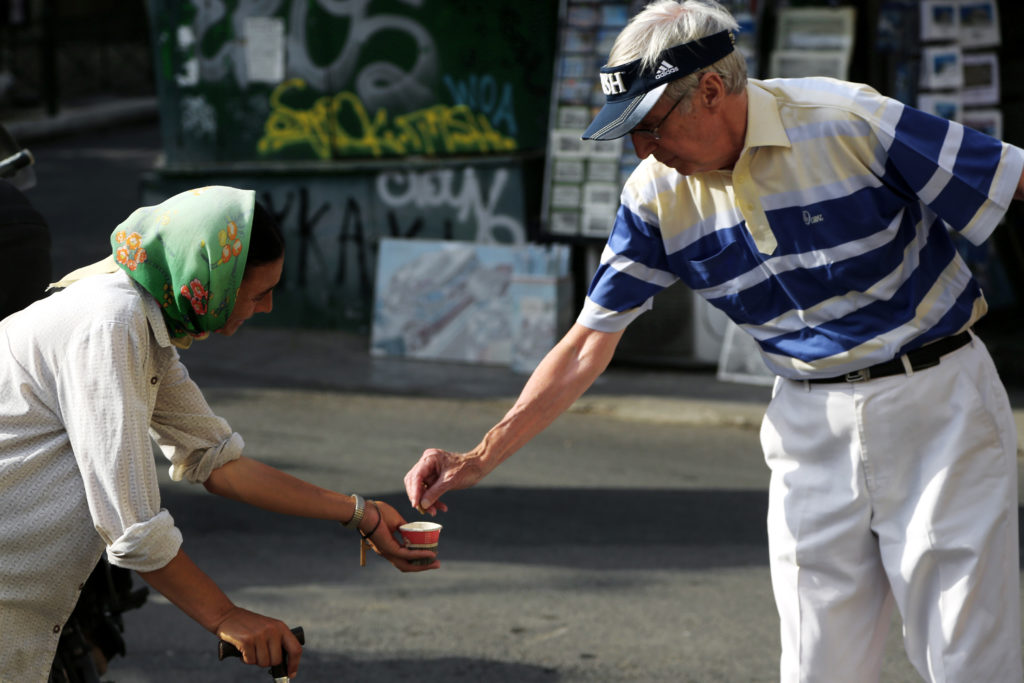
[666,23]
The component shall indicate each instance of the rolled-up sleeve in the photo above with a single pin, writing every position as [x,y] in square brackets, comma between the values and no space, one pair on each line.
[146,546]
[106,396]
[190,435]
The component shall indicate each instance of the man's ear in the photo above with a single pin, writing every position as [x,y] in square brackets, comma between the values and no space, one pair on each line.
[711,90]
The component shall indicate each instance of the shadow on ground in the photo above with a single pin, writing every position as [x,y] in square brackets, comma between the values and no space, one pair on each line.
[560,526]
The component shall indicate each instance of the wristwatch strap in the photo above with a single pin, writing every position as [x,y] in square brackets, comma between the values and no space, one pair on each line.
[357,516]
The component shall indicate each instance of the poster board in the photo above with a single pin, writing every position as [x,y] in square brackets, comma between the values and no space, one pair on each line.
[474,303]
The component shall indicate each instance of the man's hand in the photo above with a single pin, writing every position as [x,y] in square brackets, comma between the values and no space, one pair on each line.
[437,472]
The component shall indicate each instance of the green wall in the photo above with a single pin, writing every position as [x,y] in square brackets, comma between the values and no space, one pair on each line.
[369,79]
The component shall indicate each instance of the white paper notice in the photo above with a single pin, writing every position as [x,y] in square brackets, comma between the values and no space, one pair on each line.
[264,49]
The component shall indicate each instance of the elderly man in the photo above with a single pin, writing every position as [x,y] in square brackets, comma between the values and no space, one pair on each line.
[817,214]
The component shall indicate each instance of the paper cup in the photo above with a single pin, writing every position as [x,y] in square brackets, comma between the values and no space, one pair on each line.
[421,536]
[421,533]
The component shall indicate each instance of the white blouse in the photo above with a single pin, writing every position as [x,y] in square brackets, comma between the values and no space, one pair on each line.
[87,376]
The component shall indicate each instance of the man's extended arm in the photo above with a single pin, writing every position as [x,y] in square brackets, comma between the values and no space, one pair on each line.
[566,372]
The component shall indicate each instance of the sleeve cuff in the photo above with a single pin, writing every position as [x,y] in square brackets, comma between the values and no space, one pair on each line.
[198,467]
[597,317]
[146,546]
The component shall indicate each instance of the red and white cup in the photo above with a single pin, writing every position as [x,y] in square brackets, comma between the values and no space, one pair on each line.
[421,536]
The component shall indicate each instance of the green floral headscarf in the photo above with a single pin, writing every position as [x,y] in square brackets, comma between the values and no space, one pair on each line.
[189,252]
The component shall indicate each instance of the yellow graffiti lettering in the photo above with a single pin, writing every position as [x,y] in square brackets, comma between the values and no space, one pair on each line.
[287,126]
[340,126]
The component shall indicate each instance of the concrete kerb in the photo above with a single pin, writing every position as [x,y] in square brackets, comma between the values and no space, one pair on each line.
[75,119]
[690,412]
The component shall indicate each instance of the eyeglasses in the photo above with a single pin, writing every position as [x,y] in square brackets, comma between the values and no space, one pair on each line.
[653,132]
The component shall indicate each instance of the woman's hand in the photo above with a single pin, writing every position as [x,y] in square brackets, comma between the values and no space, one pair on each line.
[261,640]
[382,539]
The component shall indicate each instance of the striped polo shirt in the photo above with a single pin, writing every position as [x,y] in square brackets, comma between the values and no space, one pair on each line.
[829,241]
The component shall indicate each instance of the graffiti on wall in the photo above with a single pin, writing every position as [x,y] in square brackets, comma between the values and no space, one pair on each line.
[436,130]
[352,82]
[461,191]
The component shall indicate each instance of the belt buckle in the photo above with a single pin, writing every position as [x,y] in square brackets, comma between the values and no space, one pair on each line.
[857,376]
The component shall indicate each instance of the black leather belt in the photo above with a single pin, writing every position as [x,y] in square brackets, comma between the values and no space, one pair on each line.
[925,357]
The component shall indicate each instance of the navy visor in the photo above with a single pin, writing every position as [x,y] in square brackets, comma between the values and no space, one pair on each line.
[630,92]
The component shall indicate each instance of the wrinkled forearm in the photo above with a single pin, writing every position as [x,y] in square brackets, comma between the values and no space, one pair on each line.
[567,371]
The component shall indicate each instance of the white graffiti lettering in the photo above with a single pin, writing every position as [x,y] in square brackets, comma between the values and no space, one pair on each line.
[443,188]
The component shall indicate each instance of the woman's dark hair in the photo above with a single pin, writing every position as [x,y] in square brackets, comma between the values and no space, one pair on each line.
[266,242]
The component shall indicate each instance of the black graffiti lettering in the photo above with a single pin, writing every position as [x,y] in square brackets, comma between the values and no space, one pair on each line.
[307,229]
[352,231]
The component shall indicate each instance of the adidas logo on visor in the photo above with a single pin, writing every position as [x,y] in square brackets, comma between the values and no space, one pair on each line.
[664,69]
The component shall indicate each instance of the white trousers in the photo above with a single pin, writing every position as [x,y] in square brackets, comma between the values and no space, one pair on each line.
[901,489]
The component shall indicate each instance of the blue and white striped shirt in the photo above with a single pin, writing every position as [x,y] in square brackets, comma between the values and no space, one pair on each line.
[829,240]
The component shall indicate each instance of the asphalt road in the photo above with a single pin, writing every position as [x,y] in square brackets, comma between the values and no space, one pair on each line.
[607,550]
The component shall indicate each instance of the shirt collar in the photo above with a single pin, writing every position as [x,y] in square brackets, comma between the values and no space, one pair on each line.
[764,124]
[154,315]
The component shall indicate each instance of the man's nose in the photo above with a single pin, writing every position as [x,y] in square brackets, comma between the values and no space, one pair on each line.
[643,145]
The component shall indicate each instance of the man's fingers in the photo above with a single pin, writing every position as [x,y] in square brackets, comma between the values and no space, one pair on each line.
[422,475]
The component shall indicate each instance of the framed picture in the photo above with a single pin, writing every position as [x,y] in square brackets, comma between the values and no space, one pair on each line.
[567,143]
[596,223]
[987,121]
[803,63]
[577,40]
[601,196]
[583,15]
[566,196]
[979,23]
[575,66]
[940,20]
[815,28]
[981,78]
[603,171]
[606,150]
[564,222]
[575,90]
[567,170]
[947,105]
[942,67]
[574,117]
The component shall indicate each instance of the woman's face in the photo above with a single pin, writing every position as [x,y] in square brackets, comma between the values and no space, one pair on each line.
[255,295]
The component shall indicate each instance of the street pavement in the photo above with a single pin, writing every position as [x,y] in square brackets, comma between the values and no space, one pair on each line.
[626,543]
[618,546]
